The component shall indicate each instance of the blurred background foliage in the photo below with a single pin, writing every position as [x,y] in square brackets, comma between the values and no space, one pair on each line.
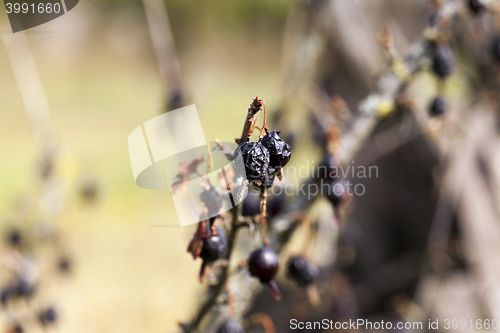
[101,79]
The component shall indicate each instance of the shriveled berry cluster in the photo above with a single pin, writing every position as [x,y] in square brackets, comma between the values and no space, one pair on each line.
[264,159]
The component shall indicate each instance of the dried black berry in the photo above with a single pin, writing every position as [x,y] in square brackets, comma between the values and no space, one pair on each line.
[437,107]
[496,47]
[443,61]
[279,150]
[47,316]
[212,200]
[299,270]
[256,159]
[214,247]
[231,325]
[251,204]
[263,263]
[336,191]
[475,6]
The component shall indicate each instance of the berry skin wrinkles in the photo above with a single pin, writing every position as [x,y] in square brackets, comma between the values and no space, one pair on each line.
[256,160]
[279,150]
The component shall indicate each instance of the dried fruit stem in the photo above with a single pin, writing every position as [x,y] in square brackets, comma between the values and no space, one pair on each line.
[255,107]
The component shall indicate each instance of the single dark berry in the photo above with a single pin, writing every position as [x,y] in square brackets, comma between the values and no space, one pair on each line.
[231,325]
[276,204]
[251,204]
[336,191]
[496,47]
[437,107]
[14,238]
[443,61]
[263,263]
[475,6]
[64,265]
[299,270]
[212,200]
[6,295]
[279,150]
[256,159]
[214,247]
[47,316]
[24,289]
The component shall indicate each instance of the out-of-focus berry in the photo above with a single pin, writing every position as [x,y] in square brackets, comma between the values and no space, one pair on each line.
[437,107]
[24,289]
[214,248]
[475,6]
[329,168]
[443,61]
[300,271]
[336,191]
[276,204]
[64,265]
[47,316]
[212,200]
[14,238]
